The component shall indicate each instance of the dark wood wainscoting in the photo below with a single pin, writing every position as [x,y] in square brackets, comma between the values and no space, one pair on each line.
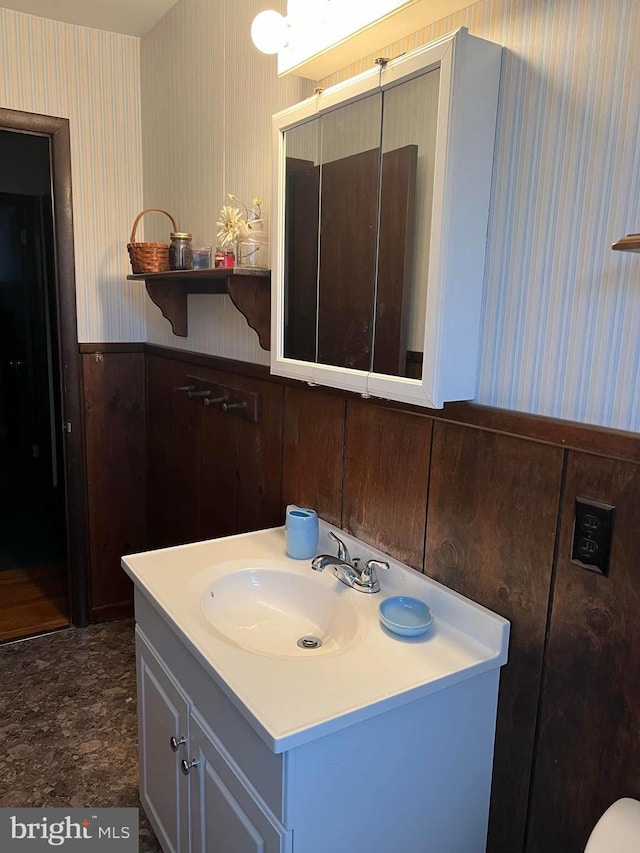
[211,473]
[479,499]
[174,466]
[493,508]
[313,445]
[386,473]
[116,464]
[588,752]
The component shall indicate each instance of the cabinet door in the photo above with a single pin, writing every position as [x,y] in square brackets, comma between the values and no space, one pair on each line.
[227,815]
[162,714]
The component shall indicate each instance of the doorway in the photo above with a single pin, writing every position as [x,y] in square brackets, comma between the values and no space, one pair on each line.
[42,513]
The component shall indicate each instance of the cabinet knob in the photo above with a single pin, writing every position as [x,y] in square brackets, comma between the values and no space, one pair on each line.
[186,766]
[176,744]
[211,401]
[184,387]
[226,407]
[195,394]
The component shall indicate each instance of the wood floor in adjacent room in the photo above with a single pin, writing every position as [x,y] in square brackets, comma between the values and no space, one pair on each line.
[33,600]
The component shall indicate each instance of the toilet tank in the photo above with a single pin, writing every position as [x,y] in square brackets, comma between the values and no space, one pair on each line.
[617,830]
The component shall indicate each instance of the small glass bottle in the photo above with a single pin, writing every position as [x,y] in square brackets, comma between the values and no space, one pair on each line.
[180,251]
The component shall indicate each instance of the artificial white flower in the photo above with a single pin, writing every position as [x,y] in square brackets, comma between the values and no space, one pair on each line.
[230,225]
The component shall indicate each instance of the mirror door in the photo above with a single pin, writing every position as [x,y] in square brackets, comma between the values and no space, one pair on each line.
[331,222]
[358,180]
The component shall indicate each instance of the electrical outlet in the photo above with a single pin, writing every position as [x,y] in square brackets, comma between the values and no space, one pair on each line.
[592,531]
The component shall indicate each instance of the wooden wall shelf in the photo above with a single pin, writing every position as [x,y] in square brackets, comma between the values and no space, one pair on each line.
[250,292]
[630,243]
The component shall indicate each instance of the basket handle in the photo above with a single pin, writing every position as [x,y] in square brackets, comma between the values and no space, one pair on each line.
[150,210]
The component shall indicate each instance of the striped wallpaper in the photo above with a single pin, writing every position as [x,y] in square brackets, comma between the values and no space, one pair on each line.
[207,100]
[561,324]
[91,78]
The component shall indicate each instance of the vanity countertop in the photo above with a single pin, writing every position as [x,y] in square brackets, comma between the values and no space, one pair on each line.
[291,700]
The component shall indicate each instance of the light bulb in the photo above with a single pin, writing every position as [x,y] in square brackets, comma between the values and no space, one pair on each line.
[269,31]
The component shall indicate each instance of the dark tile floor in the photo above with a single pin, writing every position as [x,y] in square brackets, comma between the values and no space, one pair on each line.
[68,723]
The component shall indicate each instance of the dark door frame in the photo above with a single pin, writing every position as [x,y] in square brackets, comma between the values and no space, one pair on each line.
[57,129]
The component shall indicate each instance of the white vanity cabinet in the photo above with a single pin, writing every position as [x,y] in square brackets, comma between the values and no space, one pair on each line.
[196,796]
[415,778]
[250,742]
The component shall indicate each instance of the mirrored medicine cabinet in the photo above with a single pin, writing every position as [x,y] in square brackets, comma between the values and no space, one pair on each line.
[383,186]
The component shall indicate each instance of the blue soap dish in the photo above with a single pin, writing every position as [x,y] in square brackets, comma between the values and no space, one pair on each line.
[406,616]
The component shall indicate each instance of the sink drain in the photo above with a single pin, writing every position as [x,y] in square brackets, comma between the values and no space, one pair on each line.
[309,642]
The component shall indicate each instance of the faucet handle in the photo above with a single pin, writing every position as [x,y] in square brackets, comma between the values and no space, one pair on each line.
[377,564]
[370,570]
[343,551]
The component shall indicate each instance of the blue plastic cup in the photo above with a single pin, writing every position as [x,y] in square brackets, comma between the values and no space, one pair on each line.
[301,533]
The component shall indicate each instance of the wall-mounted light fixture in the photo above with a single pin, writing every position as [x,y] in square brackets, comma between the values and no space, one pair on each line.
[269,31]
[318,37]
[272,32]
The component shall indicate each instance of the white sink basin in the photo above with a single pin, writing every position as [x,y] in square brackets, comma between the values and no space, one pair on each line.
[275,613]
[245,635]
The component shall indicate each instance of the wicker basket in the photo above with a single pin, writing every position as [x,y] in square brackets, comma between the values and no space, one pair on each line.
[149,257]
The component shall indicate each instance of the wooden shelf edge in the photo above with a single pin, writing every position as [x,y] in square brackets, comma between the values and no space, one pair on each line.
[187,277]
[630,243]
[249,290]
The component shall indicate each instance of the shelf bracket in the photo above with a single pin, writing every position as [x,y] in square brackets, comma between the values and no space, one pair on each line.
[251,295]
[630,243]
[249,290]
[172,302]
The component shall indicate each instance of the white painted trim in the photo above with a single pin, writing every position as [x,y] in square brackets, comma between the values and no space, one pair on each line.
[350,90]
[423,59]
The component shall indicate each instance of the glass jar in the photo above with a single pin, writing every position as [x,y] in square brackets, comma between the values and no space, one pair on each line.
[180,251]
[202,258]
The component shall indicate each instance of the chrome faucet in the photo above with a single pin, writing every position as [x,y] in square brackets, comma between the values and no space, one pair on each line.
[348,570]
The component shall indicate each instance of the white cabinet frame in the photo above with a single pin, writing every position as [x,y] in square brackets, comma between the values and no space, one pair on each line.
[466,124]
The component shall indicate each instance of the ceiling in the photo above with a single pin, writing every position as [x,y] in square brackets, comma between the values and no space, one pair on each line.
[130,17]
